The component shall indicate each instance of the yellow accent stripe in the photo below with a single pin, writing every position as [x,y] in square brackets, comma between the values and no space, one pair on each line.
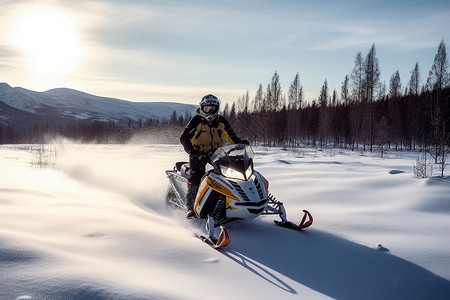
[227,137]
[202,189]
[220,188]
[213,184]
[193,139]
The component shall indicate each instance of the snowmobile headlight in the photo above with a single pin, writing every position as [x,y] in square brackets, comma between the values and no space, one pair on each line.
[232,173]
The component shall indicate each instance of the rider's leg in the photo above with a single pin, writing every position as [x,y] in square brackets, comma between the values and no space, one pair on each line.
[197,171]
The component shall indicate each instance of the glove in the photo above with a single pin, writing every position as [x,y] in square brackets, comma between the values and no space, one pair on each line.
[245,142]
[207,155]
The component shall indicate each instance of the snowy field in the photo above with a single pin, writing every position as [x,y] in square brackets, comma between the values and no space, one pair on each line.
[94,225]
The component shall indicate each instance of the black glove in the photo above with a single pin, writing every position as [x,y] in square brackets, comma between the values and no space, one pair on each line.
[245,142]
[207,155]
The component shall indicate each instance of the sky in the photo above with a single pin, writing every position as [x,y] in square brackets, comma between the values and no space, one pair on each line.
[178,50]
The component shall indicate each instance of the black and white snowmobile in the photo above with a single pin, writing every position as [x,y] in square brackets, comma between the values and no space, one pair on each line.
[230,190]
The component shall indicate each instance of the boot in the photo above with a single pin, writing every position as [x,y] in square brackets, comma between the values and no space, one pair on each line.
[190,200]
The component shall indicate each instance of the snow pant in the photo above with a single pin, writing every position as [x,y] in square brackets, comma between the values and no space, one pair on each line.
[197,168]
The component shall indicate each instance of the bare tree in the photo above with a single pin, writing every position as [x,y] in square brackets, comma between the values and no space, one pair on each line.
[371,83]
[356,113]
[422,168]
[293,115]
[323,122]
[415,109]
[438,80]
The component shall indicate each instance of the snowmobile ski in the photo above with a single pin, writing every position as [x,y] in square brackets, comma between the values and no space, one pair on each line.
[220,242]
[307,220]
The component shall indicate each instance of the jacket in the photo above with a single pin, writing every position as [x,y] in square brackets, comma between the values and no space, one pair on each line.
[202,135]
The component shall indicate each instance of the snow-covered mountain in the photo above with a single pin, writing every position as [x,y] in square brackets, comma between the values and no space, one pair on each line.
[19,106]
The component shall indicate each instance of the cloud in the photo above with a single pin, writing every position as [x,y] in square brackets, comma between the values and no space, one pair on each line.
[9,57]
[404,33]
[152,50]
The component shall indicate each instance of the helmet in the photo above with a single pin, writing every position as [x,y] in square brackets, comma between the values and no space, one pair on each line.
[209,107]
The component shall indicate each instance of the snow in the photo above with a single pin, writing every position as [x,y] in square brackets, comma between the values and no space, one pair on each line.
[93,224]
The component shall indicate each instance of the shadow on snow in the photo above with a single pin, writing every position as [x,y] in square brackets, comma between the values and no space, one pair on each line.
[330,264]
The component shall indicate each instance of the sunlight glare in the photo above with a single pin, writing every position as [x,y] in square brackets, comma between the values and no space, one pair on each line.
[49,39]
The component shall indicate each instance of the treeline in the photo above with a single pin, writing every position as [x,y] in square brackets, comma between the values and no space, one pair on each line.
[364,114]
[150,130]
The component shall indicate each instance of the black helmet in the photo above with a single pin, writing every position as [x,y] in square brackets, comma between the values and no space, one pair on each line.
[209,107]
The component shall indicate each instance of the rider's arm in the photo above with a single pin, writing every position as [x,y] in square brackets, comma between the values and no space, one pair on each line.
[189,133]
[228,132]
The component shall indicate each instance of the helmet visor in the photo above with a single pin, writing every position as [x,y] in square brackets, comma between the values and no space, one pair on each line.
[209,109]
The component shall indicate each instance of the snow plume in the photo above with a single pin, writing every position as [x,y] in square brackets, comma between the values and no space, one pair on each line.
[140,177]
[95,226]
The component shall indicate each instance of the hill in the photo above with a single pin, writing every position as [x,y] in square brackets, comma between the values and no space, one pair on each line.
[21,108]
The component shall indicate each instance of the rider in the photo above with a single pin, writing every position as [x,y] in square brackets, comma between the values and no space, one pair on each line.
[206,132]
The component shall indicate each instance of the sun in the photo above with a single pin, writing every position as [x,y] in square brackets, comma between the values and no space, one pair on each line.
[48,38]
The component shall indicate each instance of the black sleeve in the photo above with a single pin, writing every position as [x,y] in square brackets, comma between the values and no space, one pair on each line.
[188,134]
[229,130]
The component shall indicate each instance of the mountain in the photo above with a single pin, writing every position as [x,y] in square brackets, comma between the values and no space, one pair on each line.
[16,118]
[21,108]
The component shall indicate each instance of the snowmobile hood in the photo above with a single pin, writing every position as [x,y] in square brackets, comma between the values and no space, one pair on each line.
[236,156]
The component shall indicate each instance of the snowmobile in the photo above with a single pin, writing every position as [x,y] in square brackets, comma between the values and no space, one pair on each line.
[230,190]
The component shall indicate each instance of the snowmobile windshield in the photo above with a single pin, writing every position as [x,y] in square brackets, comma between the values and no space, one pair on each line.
[234,161]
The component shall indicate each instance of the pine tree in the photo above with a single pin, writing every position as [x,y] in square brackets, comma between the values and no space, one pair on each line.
[233,111]
[438,77]
[295,96]
[357,78]
[258,101]
[323,97]
[345,93]
[395,85]
[267,103]
[226,110]
[414,81]
[276,94]
[246,102]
